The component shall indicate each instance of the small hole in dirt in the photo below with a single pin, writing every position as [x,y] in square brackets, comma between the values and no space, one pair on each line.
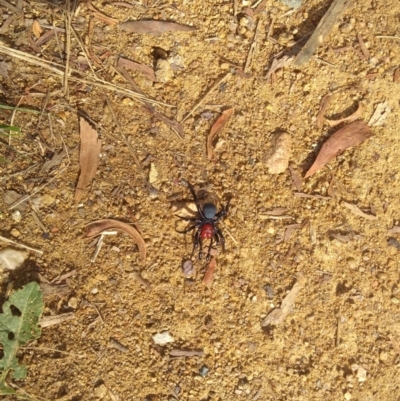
[15,311]
[1,354]
[11,335]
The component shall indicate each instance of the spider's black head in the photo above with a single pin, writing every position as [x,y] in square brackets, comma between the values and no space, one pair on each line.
[210,210]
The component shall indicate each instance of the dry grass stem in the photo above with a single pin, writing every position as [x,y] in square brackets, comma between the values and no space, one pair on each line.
[29,248]
[203,99]
[253,48]
[59,70]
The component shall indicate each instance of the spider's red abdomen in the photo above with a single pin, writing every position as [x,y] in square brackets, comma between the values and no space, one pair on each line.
[207,231]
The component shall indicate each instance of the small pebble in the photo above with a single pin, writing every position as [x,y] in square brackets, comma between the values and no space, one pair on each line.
[163,338]
[361,374]
[73,302]
[269,290]
[203,371]
[188,268]
[16,216]
[346,27]
[94,291]
[348,396]
[15,233]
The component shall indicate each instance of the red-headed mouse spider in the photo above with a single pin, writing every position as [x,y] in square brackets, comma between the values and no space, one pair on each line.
[206,225]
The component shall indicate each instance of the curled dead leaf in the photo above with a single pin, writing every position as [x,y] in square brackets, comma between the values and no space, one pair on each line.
[352,117]
[346,137]
[97,227]
[216,129]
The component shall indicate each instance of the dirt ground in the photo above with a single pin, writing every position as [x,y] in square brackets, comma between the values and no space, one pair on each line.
[341,337]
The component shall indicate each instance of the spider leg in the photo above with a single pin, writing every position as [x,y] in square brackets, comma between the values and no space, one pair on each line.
[188,218]
[196,200]
[208,257]
[186,230]
[223,212]
[222,238]
[196,243]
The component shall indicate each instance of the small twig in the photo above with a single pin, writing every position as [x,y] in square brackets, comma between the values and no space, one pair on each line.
[55,350]
[202,100]
[388,37]
[37,220]
[253,48]
[67,48]
[337,341]
[97,250]
[10,6]
[10,241]
[324,27]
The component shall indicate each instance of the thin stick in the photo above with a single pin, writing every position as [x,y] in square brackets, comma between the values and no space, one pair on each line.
[324,27]
[11,7]
[202,100]
[59,70]
[84,50]
[253,47]
[67,48]
[37,220]
[388,37]
[55,350]
[10,241]
[97,250]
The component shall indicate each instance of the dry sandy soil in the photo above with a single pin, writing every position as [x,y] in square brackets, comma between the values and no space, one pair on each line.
[341,338]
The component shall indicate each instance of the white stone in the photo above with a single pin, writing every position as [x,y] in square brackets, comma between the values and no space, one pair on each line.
[11,258]
[163,338]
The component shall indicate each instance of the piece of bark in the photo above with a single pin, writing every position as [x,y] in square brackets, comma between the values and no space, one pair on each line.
[97,227]
[89,157]
[278,315]
[346,137]
[277,159]
[154,27]
[209,275]
[324,27]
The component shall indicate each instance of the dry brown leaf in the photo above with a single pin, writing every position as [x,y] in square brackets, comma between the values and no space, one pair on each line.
[322,109]
[209,275]
[36,28]
[216,129]
[89,157]
[46,37]
[394,230]
[346,137]
[380,114]
[97,227]
[278,315]
[353,117]
[358,212]
[154,27]
[132,65]
[396,75]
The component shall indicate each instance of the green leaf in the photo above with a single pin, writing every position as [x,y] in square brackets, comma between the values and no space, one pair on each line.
[18,325]
[6,127]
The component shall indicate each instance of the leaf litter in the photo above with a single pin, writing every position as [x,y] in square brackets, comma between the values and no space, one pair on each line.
[278,315]
[99,226]
[17,329]
[346,137]
[89,157]
[216,129]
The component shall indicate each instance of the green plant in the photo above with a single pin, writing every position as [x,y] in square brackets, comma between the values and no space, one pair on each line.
[18,325]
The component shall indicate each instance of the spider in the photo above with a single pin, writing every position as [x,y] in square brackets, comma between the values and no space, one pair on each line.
[205,225]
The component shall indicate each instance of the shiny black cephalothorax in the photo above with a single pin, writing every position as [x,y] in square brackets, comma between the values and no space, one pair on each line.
[206,225]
